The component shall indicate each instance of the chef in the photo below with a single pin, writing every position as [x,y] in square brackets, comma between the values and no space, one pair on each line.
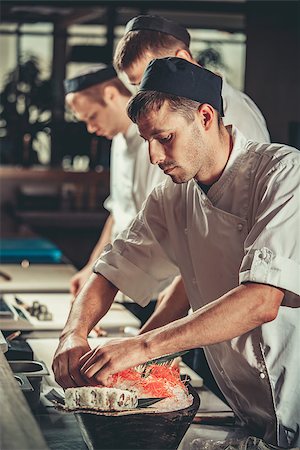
[228,217]
[99,98]
[147,37]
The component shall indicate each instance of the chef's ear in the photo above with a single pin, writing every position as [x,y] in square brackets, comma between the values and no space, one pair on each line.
[184,54]
[109,93]
[206,115]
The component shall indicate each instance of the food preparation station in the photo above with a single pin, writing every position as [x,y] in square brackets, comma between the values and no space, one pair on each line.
[39,318]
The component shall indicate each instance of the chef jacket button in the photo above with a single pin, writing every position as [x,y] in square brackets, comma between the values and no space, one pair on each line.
[240,226]
[194,281]
[185,230]
[262,375]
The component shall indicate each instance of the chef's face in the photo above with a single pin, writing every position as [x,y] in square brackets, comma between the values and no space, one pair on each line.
[179,147]
[103,118]
[136,70]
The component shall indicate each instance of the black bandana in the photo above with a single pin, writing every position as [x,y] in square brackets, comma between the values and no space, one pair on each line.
[156,23]
[176,76]
[95,75]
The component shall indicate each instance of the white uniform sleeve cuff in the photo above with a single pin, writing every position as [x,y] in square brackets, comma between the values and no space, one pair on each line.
[263,266]
[120,270]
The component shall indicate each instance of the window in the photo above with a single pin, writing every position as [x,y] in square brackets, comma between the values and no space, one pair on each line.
[221,51]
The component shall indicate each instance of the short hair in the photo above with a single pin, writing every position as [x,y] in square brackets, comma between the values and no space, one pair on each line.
[95,92]
[133,45]
[147,101]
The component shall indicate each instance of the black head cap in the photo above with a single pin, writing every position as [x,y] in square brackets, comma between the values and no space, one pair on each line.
[179,77]
[157,23]
[94,75]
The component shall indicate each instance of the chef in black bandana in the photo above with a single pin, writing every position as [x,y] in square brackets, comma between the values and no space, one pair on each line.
[99,98]
[228,218]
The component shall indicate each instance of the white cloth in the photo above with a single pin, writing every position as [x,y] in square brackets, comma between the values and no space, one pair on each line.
[132,178]
[245,229]
[242,112]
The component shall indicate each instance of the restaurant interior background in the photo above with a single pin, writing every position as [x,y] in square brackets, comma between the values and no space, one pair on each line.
[54,175]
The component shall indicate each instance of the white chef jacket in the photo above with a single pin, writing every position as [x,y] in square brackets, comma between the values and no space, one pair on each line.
[245,229]
[242,112]
[132,178]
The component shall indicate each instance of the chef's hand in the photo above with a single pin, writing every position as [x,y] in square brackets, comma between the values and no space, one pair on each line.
[78,280]
[102,362]
[66,365]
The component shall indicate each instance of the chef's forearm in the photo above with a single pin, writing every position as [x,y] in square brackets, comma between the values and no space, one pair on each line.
[169,309]
[104,239]
[237,312]
[90,306]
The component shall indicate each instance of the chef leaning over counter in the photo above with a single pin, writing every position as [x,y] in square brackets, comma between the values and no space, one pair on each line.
[99,98]
[148,37]
[228,218]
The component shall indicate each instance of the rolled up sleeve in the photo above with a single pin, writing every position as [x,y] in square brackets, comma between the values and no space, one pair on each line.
[138,261]
[272,248]
[263,266]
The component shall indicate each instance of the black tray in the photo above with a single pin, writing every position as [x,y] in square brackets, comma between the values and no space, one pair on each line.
[137,431]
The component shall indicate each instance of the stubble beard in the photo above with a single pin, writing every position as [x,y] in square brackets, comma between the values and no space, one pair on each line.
[192,160]
[176,178]
[179,179]
[194,146]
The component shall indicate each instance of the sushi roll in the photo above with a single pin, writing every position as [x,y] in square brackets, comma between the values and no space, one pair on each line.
[100,398]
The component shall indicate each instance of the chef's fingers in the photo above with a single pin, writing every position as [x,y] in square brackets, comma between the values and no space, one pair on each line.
[89,374]
[95,353]
[74,365]
[99,331]
[73,290]
[85,357]
[76,375]
[103,376]
[88,379]
[91,367]
[66,370]
[62,376]
[93,364]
